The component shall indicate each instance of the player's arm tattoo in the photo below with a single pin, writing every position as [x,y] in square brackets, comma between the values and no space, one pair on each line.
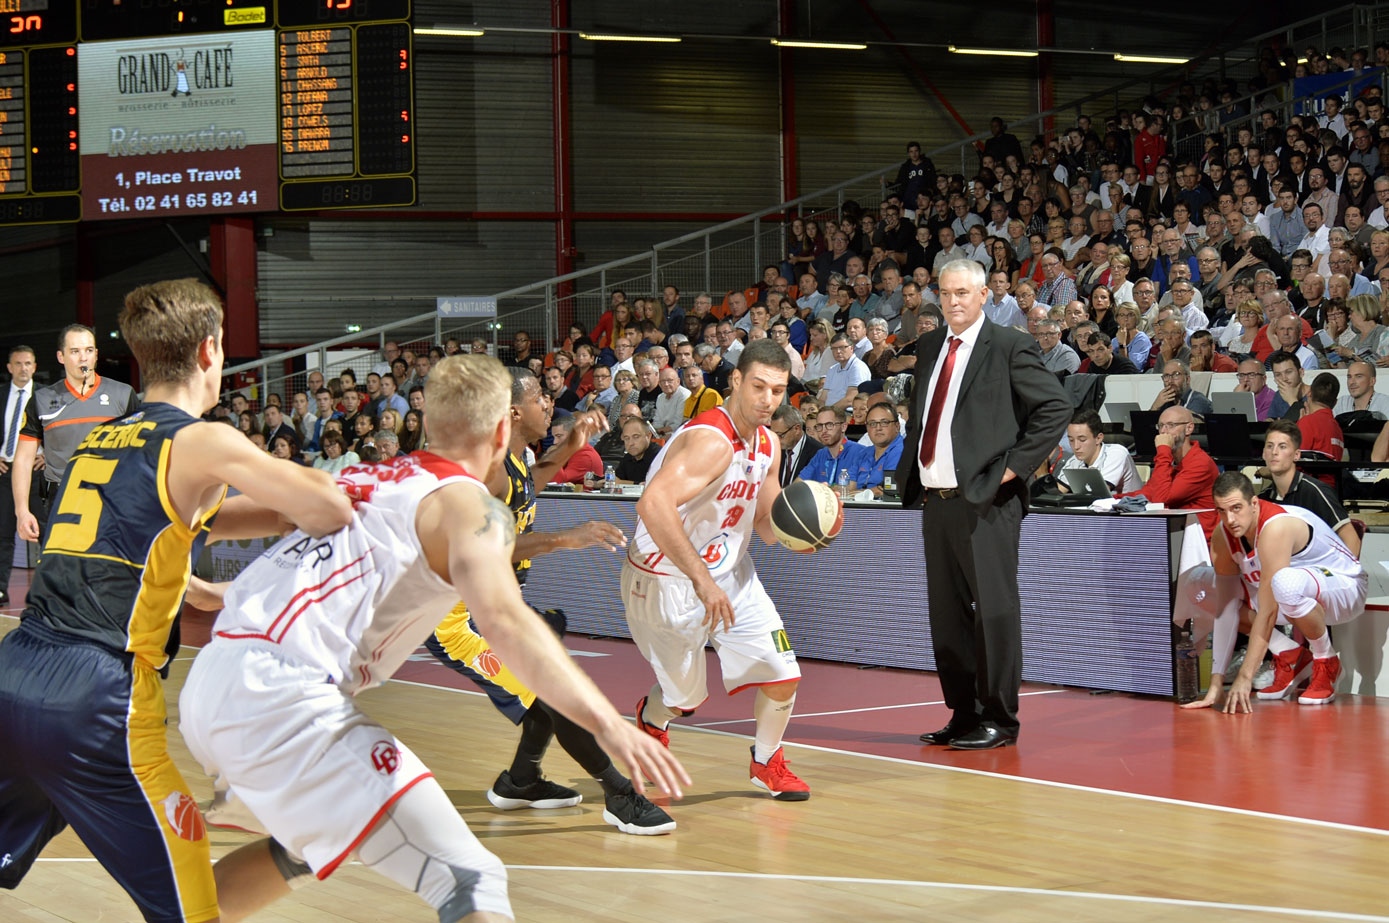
[498,515]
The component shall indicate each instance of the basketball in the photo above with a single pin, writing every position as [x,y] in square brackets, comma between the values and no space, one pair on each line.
[807,515]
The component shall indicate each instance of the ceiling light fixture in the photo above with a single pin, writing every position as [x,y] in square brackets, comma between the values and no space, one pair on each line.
[450,30]
[611,37]
[1148,59]
[1000,52]
[806,43]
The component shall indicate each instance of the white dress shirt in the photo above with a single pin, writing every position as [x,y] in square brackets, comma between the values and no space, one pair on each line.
[941,472]
[13,394]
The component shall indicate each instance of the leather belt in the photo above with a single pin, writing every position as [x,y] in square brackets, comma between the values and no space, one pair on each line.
[945,493]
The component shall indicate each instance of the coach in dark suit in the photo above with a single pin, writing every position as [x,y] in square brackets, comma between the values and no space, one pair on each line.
[797,448]
[970,450]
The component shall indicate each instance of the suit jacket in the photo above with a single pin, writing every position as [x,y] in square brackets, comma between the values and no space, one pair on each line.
[808,451]
[1004,382]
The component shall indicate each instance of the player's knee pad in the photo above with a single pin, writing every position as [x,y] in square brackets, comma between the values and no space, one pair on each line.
[423,845]
[296,872]
[1295,591]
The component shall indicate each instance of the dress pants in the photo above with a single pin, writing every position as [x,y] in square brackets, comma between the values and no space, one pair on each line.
[972,594]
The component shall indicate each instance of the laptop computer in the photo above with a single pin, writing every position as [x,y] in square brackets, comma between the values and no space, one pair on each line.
[1240,402]
[1228,435]
[1144,429]
[1119,412]
[1086,485]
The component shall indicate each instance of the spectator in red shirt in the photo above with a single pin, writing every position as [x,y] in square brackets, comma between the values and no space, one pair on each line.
[585,460]
[1320,431]
[1183,474]
[1148,148]
[1204,358]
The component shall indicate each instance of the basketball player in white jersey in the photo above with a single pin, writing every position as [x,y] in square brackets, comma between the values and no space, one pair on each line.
[1292,567]
[268,707]
[688,578]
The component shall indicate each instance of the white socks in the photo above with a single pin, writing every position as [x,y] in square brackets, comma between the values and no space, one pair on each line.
[772,718]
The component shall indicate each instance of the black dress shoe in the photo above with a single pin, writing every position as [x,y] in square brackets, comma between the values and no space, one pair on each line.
[984,738]
[945,735]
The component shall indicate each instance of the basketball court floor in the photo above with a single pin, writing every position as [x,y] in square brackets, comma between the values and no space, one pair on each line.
[1112,807]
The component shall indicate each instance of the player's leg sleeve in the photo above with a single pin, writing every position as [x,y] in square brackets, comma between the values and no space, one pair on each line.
[423,845]
[1295,589]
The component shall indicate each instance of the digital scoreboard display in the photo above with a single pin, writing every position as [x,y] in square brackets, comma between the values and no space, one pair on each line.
[114,109]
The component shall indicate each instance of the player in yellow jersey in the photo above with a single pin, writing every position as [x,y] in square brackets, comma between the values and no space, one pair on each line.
[82,715]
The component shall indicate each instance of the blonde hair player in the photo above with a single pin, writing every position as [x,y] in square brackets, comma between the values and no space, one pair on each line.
[688,578]
[269,707]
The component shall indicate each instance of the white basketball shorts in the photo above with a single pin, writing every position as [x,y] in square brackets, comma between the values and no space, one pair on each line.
[667,623]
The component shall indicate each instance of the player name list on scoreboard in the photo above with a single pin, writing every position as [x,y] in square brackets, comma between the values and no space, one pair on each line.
[316,113]
[12,121]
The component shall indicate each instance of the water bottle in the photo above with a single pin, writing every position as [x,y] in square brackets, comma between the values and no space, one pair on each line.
[843,484]
[1188,661]
[610,480]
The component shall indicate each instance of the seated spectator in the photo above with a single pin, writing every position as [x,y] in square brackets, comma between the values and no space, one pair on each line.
[1287,377]
[1371,340]
[857,332]
[702,397]
[927,319]
[1286,334]
[390,398]
[1058,287]
[1001,307]
[326,412]
[1128,340]
[285,446]
[812,299]
[1289,487]
[603,392]
[1056,356]
[716,368]
[1241,337]
[622,355]
[1170,338]
[275,423]
[879,356]
[670,403]
[796,330]
[641,452]
[1319,430]
[781,333]
[609,445]
[1204,358]
[413,432]
[303,419]
[648,388]
[351,406]
[844,376]
[624,393]
[797,447]
[415,397]
[335,455]
[387,443]
[856,425]
[883,452]
[1089,450]
[363,426]
[1253,379]
[1103,361]
[839,455]
[1176,390]
[1361,394]
[584,461]
[1183,474]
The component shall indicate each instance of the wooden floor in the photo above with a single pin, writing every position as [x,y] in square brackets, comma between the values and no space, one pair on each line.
[883,838]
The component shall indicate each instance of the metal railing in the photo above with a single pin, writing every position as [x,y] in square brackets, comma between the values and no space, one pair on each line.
[729,255]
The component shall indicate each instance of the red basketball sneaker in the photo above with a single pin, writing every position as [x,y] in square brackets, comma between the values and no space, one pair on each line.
[1289,669]
[776,777]
[1322,689]
[662,735]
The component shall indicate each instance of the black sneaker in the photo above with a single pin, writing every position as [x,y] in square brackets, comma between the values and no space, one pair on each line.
[632,813]
[541,794]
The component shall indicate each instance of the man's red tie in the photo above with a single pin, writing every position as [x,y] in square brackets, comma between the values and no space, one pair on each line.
[933,413]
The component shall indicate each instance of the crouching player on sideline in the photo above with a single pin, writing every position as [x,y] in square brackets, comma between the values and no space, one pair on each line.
[688,578]
[82,715]
[268,707]
[457,644]
[1294,566]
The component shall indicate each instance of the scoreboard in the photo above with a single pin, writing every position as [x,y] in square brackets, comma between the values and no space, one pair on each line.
[113,109]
